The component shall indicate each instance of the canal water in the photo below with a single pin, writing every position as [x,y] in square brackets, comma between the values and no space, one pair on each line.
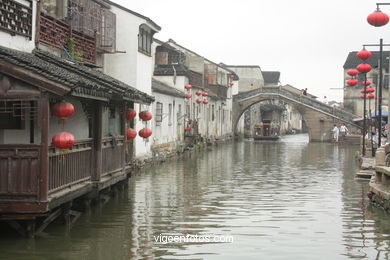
[277,200]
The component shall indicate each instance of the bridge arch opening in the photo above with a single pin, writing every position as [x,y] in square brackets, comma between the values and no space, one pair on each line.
[318,117]
[286,116]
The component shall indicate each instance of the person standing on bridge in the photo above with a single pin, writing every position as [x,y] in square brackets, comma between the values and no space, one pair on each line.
[335,133]
[343,131]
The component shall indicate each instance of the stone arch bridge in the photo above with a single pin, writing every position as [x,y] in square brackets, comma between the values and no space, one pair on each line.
[318,117]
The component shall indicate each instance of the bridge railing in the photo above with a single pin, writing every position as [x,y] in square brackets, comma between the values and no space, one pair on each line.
[306,100]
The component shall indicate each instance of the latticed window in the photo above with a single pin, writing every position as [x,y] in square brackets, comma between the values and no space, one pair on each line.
[16,17]
[159,113]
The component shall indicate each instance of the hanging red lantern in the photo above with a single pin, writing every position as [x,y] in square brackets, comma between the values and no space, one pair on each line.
[188,96]
[352,72]
[363,68]
[130,114]
[363,54]
[145,132]
[378,18]
[362,96]
[145,115]
[205,101]
[367,83]
[362,91]
[198,93]
[370,96]
[205,94]
[370,90]
[63,110]
[352,82]
[63,140]
[188,87]
[231,76]
[130,133]
[231,84]
[198,101]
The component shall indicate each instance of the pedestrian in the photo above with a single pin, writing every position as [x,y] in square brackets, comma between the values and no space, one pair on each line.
[325,100]
[336,133]
[305,92]
[343,131]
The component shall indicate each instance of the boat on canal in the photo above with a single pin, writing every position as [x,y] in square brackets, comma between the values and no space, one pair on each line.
[264,131]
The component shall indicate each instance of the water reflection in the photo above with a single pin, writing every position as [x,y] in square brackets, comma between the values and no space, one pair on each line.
[285,200]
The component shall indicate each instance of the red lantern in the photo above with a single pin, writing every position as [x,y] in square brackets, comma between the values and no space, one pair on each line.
[205,94]
[370,90]
[63,110]
[362,91]
[363,54]
[130,114]
[188,87]
[130,133]
[205,101]
[187,128]
[378,18]
[231,76]
[198,93]
[145,132]
[362,96]
[370,96]
[352,72]
[363,68]
[63,140]
[188,96]
[145,115]
[367,83]
[352,82]
[231,84]
[198,101]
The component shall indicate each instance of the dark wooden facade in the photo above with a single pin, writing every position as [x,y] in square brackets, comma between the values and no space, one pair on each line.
[35,177]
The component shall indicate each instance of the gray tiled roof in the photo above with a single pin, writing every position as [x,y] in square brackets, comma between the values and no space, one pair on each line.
[81,79]
[352,60]
[163,88]
[271,77]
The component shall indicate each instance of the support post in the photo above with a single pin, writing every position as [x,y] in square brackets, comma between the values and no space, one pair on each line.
[43,113]
[380,92]
[97,141]
[364,117]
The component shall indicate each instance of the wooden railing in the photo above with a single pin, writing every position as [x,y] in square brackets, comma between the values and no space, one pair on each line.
[70,167]
[19,169]
[112,154]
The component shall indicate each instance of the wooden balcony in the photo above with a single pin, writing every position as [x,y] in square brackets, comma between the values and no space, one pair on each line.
[56,33]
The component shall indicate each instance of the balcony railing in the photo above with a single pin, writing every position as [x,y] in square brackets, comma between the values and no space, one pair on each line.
[57,34]
[16,18]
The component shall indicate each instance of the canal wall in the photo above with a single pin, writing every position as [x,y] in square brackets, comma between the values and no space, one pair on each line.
[379,193]
[166,152]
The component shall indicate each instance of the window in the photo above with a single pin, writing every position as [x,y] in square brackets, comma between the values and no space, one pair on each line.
[179,115]
[11,115]
[144,41]
[170,115]
[159,113]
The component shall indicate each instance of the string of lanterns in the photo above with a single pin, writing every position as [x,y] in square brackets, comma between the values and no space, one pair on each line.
[63,140]
[145,116]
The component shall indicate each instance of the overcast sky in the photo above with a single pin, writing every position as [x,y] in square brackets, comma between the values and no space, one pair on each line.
[306,40]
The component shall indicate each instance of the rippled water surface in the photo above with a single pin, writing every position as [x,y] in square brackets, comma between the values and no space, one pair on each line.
[278,200]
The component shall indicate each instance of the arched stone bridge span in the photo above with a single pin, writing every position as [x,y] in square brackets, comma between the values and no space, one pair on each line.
[319,117]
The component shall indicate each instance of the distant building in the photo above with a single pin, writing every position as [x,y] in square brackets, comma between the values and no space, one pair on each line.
[271,78]
[352,100]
